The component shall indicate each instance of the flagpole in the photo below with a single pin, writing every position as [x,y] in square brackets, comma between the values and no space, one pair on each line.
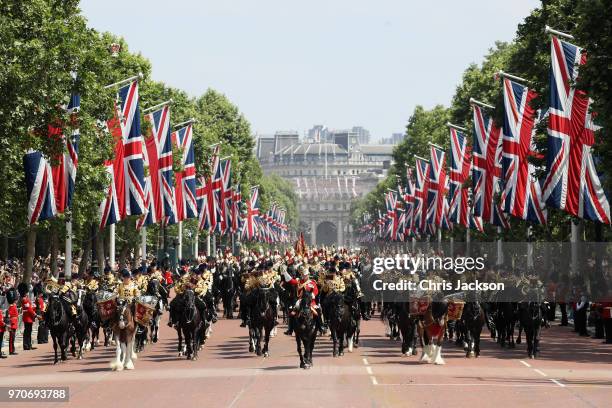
[208,244]
[500,253]
[481,104]
[159,105]
[185,123]
[510,76]
[549,30]
[111,246]
[125,81]
[143,243]
[180,240]
[450,125]
[529,249]
[68,255]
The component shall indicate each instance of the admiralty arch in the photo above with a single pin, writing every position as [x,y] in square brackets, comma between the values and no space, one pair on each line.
[327,176]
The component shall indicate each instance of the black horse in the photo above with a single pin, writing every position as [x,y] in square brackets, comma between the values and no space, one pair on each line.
[343,322]
[79,332]
[472,321]
[531,317]
[262,316]
[227,290]
[305,327]
[57,319]
[505,321]
[190,325]
[407,327]
[155,288]
[90,305]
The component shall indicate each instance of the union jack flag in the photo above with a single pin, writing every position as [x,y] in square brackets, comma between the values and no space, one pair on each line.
[392,215]
[225,195]
[572,183]
[236,200]
[459,172]
[521,195]
[487,169]
[203,191]
[159,148]
[216,184]
[408,196]
[126,195]
[50,188]
[252,214]
[39,182]
[185,180]
[421,187]
[436,187]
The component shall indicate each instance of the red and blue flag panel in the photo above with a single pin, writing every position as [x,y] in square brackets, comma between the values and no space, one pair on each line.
[572,183]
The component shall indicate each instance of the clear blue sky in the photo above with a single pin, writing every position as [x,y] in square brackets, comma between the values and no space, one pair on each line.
[291,64]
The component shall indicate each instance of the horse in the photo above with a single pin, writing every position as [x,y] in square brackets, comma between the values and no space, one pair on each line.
[58,321]
[472,320]
[389,316]
[155,288]
[407,327]
[124,327]
[305,327]
[505,322]
[342,324]
[80,327]
[531,317]
[190,324]
[90,305]
[262,319]
[431,331]
[227,289]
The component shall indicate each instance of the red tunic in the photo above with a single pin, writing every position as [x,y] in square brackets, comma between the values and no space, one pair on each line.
[307,285]
[2,324]
[29,314]
[40,302]
[168,277]
[13,317]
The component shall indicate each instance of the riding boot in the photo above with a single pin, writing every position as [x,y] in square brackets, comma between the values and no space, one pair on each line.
[289,331]
[319,321]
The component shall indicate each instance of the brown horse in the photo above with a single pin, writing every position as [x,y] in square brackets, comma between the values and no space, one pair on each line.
[124,327]
[431,330]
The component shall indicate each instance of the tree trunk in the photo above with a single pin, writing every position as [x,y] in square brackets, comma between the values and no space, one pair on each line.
[54,249]
[100,248]
[5,246]
[30,253]
[125,250]
[86,250]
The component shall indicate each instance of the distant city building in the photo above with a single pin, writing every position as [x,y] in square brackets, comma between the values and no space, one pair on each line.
[327,176]
[394,139]
[362,134]
[318,133]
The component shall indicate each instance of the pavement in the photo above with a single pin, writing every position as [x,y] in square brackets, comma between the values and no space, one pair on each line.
[571,371]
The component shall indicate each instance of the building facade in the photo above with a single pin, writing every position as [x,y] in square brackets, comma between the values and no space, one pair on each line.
[327,177]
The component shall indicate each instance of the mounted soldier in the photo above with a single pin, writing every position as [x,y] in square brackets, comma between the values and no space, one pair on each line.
[306,284]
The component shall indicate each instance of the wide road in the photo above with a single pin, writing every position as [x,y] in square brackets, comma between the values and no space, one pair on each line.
[571,372]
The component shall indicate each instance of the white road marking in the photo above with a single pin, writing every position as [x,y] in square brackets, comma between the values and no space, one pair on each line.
[530,385]
[557,382]
[374,382]
[525,363]
[365,361]
[539,372]
[369,370]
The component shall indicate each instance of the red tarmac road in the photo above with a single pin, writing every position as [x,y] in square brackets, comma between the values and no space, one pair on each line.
[571,372]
